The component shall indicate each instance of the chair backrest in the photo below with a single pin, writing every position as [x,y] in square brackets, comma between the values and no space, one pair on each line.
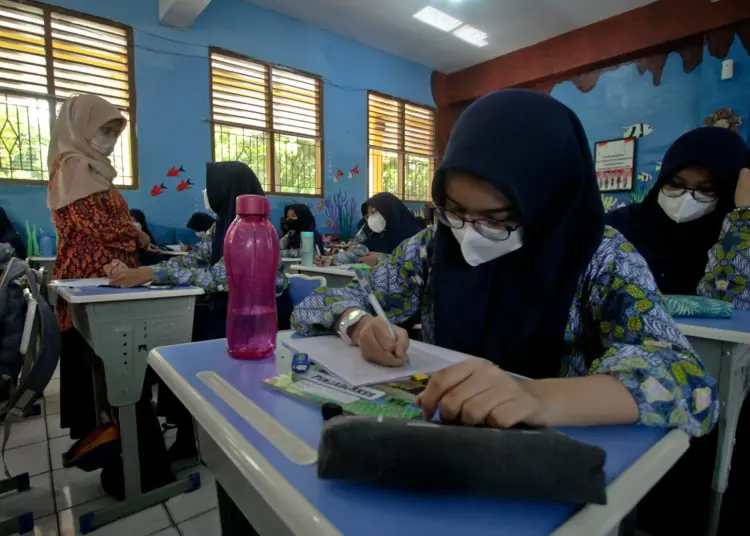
[302,285]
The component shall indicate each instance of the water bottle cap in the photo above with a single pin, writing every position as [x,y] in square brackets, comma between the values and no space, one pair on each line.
[253,205]
[306,233]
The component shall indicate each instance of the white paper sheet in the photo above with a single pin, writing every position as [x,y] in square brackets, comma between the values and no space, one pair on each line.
[345,361]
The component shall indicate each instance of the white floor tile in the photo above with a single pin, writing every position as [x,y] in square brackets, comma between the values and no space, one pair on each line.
[46,526]
[53,388]
[144,523]
[38,500]
[58,447]
[73,487]
[53,427]
[26,432]
[32,459]
[52,405]
[188,505]
[56,375]
[205,525]
[169,532]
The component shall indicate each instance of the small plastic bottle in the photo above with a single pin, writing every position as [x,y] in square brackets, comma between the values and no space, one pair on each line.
[307,248]
[251,256]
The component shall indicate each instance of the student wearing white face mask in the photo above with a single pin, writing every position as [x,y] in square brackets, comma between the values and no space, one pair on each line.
[390,223]
[690,226]
[522,273]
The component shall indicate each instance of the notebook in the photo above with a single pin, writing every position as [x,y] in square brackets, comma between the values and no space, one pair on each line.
[345,361]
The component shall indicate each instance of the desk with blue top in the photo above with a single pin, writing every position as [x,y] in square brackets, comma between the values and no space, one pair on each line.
[724,346]
[244,448]
[122,326]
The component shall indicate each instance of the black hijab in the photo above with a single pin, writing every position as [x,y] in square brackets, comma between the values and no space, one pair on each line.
[513,310]
[400,224]
[677,253]
[9,235]
[225,181]
[305,222]
[200,222]
[140,217]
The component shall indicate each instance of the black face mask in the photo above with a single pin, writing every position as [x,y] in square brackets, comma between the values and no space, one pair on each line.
[293,224]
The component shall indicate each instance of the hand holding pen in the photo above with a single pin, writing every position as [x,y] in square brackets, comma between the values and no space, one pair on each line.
[379,341]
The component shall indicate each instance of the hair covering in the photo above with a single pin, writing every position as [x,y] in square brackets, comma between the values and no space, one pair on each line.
[225,182]
[200,222]
[513,310]
[140,217]
[400,224]
[677,253]
[77,170]
[305,222]
[9,235]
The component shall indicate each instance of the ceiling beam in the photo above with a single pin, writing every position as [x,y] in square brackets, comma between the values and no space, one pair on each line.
[601,44]
[180,13]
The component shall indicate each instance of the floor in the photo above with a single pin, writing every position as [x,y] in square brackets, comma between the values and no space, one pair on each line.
[59,496]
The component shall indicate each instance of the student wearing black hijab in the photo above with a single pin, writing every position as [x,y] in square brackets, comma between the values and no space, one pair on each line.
[9,235]
[522,273]
[390,222]
[200,223]
[681,219]
[204,267]
[299,219]
[139,218]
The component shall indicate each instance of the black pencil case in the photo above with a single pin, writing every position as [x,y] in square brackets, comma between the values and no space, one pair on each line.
[422,456]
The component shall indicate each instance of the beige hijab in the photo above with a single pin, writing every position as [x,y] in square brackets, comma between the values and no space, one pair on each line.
[77,169]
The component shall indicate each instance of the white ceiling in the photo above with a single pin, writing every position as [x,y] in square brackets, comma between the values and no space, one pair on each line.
[388,24]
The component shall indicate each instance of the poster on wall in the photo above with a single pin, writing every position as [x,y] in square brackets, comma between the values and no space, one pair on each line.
[615,164]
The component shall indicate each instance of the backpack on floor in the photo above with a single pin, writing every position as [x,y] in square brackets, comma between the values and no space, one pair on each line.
[38,347]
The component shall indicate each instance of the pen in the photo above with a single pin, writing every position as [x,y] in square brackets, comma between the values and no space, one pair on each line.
[318,250]
[367,289]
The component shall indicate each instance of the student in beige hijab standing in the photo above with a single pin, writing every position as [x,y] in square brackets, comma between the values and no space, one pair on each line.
[94,228]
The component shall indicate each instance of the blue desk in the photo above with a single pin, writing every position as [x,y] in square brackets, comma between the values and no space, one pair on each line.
[724,347]
[280,497]
[122,326]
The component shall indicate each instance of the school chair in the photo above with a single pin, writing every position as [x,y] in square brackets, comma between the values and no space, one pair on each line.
[302,285]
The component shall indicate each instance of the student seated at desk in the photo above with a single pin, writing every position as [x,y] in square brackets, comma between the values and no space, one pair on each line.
[522,273]
[299,219]
[204,267]
[10,236]
[94,228]
[390,223]
[151,254]
[200,223]
[691,225]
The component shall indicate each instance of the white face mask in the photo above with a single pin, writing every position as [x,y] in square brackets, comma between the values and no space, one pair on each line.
[137,225]
[205,199]
[200,234]
[684,208]
[376,222]
[103,144]
[477,249]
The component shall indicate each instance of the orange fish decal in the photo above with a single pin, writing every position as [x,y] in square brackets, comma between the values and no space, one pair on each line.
[158,189]
[338,175]
[329,223]
[173,172]
[354,172]
[319,206]
[184,185]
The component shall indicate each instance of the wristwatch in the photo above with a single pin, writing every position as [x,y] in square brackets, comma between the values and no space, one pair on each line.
[346,321]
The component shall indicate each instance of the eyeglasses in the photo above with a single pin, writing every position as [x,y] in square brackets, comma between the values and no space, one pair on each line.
[491,229]
[701,197]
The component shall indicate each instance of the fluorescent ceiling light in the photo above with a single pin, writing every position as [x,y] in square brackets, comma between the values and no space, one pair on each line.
[472,35]
[438,19]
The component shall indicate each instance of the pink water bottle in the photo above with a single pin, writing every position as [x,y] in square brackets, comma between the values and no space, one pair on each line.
[251,255]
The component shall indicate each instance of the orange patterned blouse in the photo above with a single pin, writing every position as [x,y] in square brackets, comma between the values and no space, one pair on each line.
[92,232]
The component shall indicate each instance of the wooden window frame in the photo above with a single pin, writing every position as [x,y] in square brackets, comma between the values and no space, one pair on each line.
[52,100]
[402,153]
[271,153]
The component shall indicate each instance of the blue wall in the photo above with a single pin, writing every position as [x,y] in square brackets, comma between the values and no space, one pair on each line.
[172,96]
[624,97]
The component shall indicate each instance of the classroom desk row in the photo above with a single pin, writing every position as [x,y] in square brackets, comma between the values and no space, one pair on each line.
[281,497]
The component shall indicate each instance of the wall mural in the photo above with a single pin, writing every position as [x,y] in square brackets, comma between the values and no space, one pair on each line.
[341,211]
[724,118]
